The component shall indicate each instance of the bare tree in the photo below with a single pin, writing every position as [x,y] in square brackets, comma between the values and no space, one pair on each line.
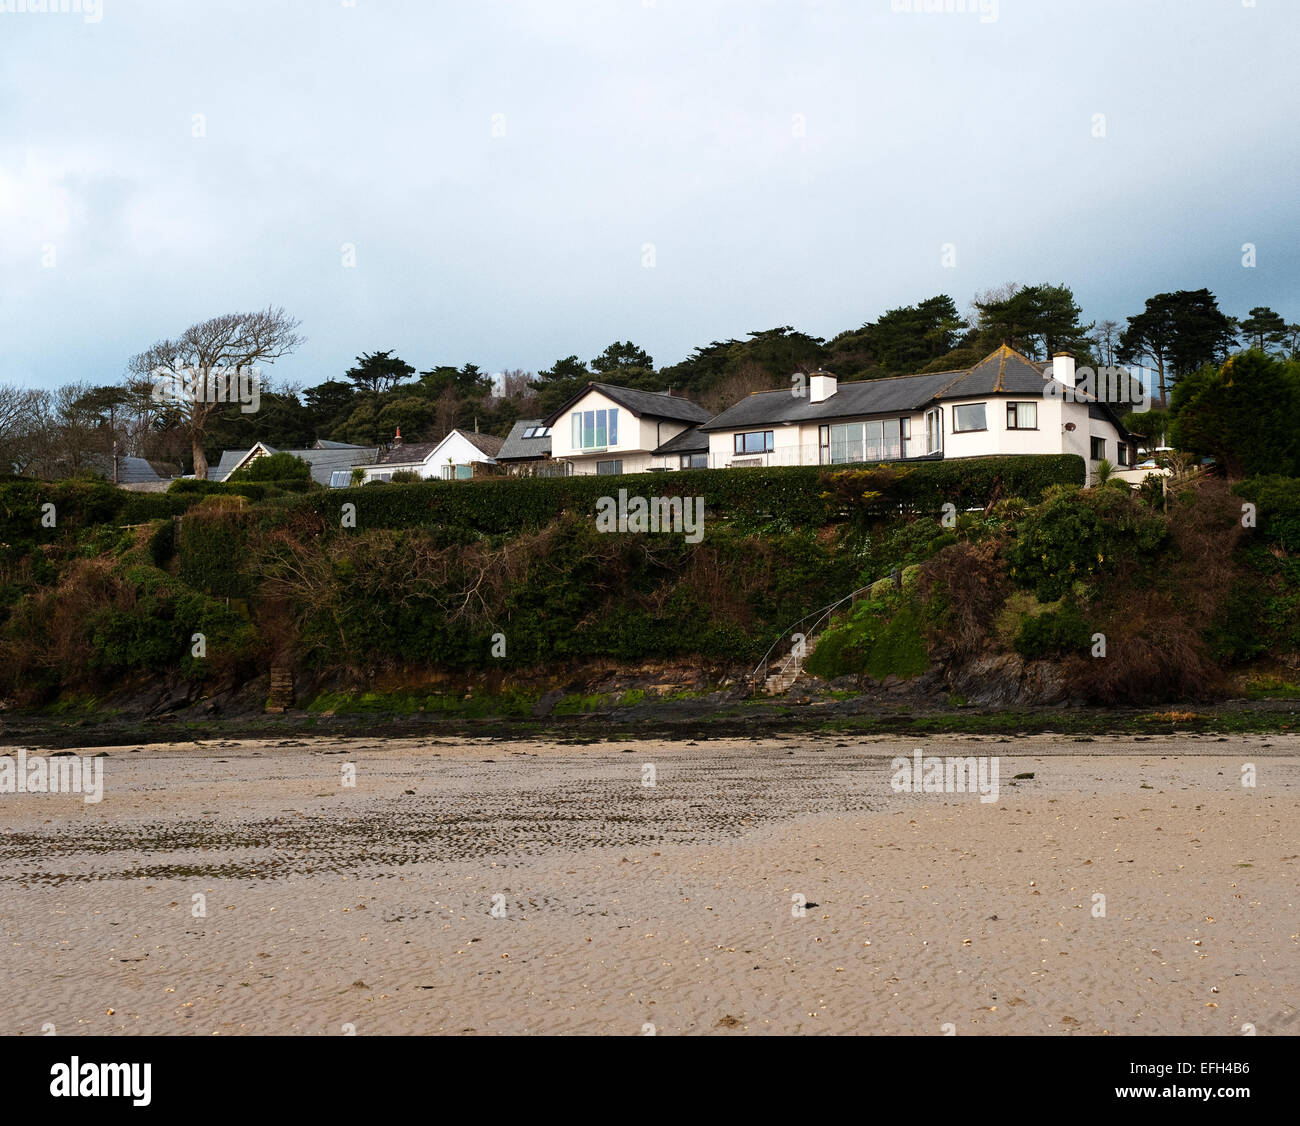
[206,352]
[1106,336]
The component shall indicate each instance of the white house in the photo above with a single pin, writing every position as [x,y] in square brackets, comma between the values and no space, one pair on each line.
[606,429]
[1005,404]
[451,458]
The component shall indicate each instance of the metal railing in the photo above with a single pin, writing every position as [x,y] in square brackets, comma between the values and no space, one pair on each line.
[762,672]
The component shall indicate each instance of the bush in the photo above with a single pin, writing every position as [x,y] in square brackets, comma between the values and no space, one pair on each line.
[1082,536]
[273,467]
[1053,633]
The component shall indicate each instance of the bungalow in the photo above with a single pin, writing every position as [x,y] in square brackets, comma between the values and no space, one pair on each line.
[606,429]
[1005,404]
[451,458]
[331,462]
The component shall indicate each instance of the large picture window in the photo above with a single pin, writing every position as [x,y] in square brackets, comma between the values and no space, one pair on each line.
[969,416]
[755,442]
[882,440]
[595,430]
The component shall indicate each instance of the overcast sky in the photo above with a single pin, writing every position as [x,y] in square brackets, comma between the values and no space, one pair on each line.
[507,170]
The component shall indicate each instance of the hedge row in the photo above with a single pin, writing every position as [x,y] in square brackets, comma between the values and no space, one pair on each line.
[797,496]
[254,490]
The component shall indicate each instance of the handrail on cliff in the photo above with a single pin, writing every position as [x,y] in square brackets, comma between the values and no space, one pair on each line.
[757,675]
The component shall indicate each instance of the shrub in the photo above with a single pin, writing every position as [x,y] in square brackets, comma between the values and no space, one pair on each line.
[1081,536]
[273,467]
[1053,633]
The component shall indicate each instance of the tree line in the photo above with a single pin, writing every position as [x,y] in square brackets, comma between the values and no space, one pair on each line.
[79,426]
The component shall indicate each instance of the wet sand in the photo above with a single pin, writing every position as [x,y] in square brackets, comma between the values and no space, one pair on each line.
[620,906]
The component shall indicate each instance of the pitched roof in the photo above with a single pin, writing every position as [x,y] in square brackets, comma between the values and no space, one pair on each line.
[407,453]
[488,444]
[516,446]
[644,404]
[325,444]
[130,470]
[1003,372]
[323,462]
[690,441]
[899,394]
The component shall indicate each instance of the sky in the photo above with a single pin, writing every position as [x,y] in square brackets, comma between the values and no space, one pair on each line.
[508,182]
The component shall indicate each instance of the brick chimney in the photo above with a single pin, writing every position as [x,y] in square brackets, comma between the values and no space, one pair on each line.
[397,438]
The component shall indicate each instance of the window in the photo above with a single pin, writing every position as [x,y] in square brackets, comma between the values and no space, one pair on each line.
[934,431]
[695,461]
[606,468]
[1123,453]
[537,432]
[595,430]
[447,472]
[969,417]
[340,478]
[464,472]
[1098,449]
[756,442]
[1022,416]
[864,441]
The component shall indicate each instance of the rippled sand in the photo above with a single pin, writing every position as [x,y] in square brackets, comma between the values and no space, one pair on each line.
[620,906]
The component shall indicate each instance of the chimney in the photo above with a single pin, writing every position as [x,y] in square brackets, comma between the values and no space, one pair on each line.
[821,386]
[397,438]
[1063,368]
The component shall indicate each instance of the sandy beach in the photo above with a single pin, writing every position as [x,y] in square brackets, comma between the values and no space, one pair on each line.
[771,886]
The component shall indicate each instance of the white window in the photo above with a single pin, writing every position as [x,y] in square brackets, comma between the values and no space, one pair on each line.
[594,430]
[969,416]
[934,431]
[867,441]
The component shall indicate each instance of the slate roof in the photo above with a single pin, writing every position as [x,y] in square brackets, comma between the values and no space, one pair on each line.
[644,404]
[517,447]
[692,440]
[416,453]
[488,444]
[900,394]
[130,470]
[407,453]
[323,462]
[1004,372]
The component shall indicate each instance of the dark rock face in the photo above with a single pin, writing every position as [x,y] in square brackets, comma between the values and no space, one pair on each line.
[1006,680]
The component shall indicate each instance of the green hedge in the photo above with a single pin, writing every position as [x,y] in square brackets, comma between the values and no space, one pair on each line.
[1277,503]
[254,490]
[795,496]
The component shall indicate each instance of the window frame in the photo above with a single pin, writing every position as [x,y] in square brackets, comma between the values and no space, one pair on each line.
[1013,414]
[686,461]
[738,445]
[615,461]
[969,429]
[936,432]
[1093,442]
